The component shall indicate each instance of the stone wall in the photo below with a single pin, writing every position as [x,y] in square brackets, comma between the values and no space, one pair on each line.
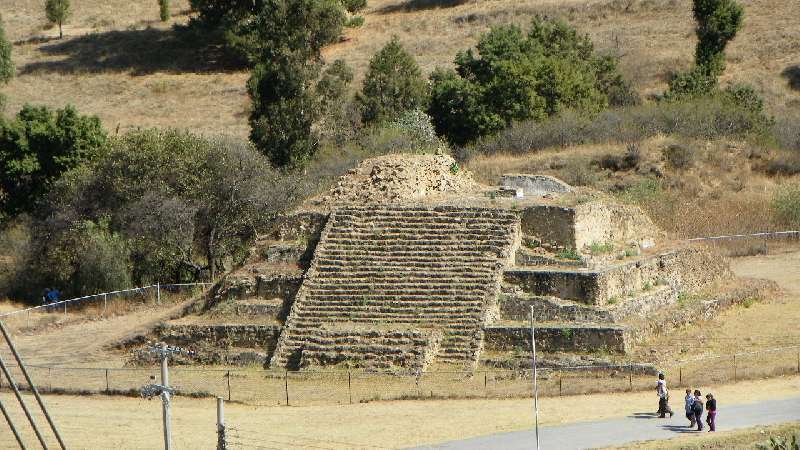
[535,185]
[555,339]
[298,226]
[552,225]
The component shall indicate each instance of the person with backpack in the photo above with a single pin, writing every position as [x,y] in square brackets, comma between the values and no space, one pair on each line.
[663,397]
[689,407]
[711,416]
[697,407]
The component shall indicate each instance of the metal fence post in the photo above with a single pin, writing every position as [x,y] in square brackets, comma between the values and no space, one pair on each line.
[158,293]
[228,375]
[560,383]
[734,368]
[680,376]
[105,303]
[349,388]
[630,377]
[286,386]
[107,385]
[485,384]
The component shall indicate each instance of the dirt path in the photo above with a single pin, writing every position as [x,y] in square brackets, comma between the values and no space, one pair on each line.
[782,267]
[83,343]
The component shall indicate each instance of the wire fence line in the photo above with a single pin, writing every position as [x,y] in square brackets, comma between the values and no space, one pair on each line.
[268,387]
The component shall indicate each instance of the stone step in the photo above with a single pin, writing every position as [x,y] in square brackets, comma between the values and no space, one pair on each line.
[326,258]
[418,302]
[360,266]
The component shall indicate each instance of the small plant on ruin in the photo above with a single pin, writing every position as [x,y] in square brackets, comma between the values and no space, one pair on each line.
[569,253]
[531,243]
[567,333]
[613,300]
[454,168]
[748,302]
[598,248]
[648,286]
[630,252]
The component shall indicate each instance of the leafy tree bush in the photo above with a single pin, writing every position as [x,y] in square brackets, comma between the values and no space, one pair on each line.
[786,204]
[513,76]
[37,147]
[354,22]
[393,84]
[287,36]
[163,10]
[57,12]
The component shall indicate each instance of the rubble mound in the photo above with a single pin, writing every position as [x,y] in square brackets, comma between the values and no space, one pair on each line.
[394,178]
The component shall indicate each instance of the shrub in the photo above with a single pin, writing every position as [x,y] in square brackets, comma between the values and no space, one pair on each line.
[513,76]
[393,84]
[786,204]
[163,10]
[6,64]
[412,132]
[678,156]
[57,12]
[354,6]
[627,161]
[354,22]
[707,117]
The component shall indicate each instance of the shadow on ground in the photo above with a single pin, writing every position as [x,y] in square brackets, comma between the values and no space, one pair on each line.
[792,73]
[682,429]
[643,416]
[418,5]
[140,52]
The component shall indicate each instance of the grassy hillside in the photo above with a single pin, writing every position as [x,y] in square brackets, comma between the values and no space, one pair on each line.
[119,62]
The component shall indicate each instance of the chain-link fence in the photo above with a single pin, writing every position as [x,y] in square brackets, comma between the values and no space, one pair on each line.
[257,386]
[751,244]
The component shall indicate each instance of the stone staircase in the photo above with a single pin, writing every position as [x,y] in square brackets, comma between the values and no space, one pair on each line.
[431,268]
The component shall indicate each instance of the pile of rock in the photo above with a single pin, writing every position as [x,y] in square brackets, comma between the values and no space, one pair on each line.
[401,178]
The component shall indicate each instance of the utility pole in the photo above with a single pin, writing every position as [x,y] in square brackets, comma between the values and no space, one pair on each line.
[221,442]
[535,385]
[163,390]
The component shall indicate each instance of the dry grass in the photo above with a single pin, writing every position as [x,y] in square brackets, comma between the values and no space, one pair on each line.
[720,193]
[127,423]
[738,439]
[108,64]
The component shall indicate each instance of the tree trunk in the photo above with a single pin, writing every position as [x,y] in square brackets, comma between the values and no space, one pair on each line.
[210,252]
[60,31]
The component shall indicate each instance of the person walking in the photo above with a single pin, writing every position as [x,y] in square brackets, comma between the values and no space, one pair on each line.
[689,407]
[698,409]
[663,397]
[711,416]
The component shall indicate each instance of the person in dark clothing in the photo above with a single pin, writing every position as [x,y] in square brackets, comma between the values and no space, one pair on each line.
[711,417]
[698,409]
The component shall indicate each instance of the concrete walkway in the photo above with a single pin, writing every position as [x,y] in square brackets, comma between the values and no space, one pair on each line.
[639,427]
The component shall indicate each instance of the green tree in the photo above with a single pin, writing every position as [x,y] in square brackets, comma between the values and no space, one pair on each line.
[37,147]
[6,64]
[718,21]
[57,12]
[393,84]
[163,10]
[515,76]
[334,105]
[285,40]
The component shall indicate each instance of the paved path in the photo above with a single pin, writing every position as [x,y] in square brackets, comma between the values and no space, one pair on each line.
[639,427]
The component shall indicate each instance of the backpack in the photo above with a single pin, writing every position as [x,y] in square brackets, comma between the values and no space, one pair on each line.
[697,407]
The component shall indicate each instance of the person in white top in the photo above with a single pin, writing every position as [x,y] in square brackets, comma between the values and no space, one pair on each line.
[689,407]
[663,397]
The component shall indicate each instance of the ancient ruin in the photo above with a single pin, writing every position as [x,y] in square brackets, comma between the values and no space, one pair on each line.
[408,264]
